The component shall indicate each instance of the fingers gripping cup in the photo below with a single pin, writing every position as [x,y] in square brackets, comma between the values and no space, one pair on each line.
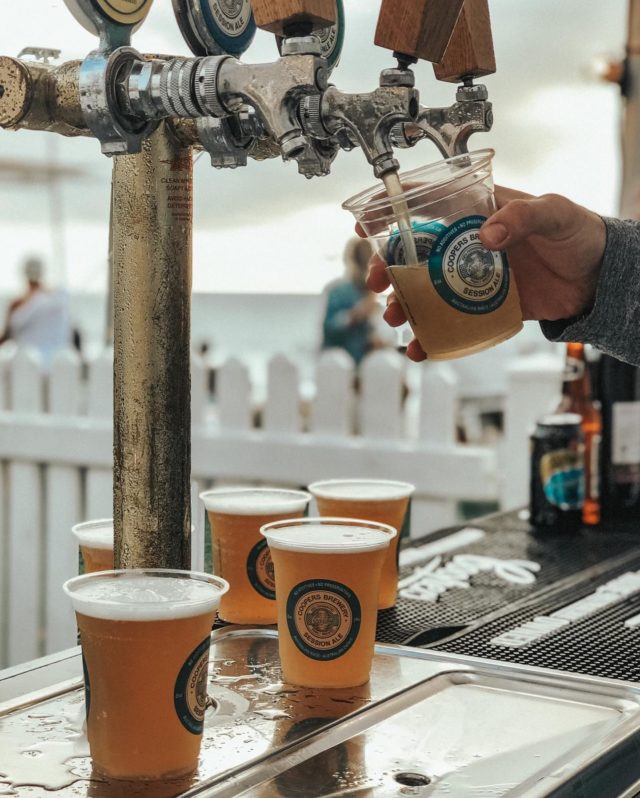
[240,553]
[95,539]
[327,581]
[383,500]
[458,297]
[145,638]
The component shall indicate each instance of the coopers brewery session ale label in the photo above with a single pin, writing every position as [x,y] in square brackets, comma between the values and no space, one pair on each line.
[383,500]
[323,618]
[240,553]
[327,585]
[145,645]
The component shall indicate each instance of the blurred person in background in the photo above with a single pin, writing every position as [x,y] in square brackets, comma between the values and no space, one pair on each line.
[38,318]
[352,313]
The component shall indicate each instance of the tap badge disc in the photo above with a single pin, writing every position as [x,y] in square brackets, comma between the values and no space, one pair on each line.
[121,12]
[215,27]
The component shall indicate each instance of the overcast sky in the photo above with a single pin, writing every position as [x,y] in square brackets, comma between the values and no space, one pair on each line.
[265,227]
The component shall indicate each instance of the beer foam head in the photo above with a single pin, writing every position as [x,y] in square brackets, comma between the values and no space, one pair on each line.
[145,595]
[328,535]
[361,489]
[95,534]
[255,501]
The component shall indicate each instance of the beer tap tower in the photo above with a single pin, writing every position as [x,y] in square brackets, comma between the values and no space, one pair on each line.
[149,112]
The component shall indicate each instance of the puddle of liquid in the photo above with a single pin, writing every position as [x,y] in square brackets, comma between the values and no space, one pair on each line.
[272,714]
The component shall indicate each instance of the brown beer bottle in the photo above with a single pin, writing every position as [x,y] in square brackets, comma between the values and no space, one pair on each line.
[577,397]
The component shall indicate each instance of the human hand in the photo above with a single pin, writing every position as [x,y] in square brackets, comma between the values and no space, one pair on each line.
[555,250]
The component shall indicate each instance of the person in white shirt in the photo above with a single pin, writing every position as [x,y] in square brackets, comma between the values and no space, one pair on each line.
[39,318]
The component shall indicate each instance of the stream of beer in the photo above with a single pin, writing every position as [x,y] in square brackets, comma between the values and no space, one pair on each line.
[401,212]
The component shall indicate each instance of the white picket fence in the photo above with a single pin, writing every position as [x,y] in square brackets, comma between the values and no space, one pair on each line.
[56,456]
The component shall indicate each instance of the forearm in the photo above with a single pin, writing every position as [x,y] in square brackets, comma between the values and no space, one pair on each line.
[613,323]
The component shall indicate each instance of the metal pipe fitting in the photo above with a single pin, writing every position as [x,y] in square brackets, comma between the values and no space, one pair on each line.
[37,96]
[370,118]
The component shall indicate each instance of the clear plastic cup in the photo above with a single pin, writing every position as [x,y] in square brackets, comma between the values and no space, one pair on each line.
[327,583]
[145,638]
[95,539]
[240,553]
[459,297]
[383,500]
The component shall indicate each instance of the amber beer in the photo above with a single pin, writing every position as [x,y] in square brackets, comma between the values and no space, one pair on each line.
[458,296]
[145,646]
[240,553]
[382,500]
[327,581]
[95,539]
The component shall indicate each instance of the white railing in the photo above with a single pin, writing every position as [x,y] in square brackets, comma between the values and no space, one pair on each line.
[56,456]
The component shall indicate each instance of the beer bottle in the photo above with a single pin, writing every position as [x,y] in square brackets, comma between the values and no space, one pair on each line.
[620,464]
[577,397]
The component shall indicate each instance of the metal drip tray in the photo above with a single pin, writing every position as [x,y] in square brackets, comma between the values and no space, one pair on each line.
[428,724]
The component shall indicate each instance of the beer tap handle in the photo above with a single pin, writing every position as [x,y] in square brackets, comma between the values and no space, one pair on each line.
[470,52]
[417,28]
[294,17]
[215,27]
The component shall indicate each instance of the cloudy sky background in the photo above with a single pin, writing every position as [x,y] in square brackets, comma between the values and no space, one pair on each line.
[265,228]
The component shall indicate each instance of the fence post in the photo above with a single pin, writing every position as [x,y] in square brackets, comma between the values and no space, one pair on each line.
[25,529]
[437,425]
[282,409]
[234,396]
[7,352]
[332,411]
[439,404]
[99,496]
[197,529]
[62,510]
[382,375]
[534,388]
[199,390]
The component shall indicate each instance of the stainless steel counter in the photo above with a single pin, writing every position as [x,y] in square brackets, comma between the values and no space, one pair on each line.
[427,724]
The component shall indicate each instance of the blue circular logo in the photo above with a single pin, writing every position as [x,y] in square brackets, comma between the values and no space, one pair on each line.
[323,618]
[465,274]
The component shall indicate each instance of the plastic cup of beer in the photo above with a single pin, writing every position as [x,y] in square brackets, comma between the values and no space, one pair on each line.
[145,638]
[458,297]
[240,553]
[95,539]
[383,500]
[327,582]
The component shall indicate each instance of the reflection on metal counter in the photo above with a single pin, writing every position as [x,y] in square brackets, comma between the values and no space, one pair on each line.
[427,724]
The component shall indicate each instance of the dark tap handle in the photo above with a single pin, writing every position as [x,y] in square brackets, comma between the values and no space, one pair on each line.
[470,52]
[417,28]
[294,17]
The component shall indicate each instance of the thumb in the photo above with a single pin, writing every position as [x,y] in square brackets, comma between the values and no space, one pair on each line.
[516,221]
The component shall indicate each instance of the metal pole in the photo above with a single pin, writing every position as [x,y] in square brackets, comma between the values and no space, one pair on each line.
[152,228]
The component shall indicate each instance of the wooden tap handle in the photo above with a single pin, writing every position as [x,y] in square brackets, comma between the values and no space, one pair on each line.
[418,28]
[470,52]
[294,17]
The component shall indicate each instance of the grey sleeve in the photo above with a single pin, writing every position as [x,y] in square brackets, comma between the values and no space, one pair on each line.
[613,323]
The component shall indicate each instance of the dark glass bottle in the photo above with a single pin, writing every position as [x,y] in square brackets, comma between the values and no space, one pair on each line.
[620,460]
[578,397]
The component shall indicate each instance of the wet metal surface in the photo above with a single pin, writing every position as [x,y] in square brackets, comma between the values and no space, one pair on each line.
[152,228]
[427,724]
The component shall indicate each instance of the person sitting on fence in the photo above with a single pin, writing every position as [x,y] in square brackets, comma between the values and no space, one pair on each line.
[352,313]
[38,318]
